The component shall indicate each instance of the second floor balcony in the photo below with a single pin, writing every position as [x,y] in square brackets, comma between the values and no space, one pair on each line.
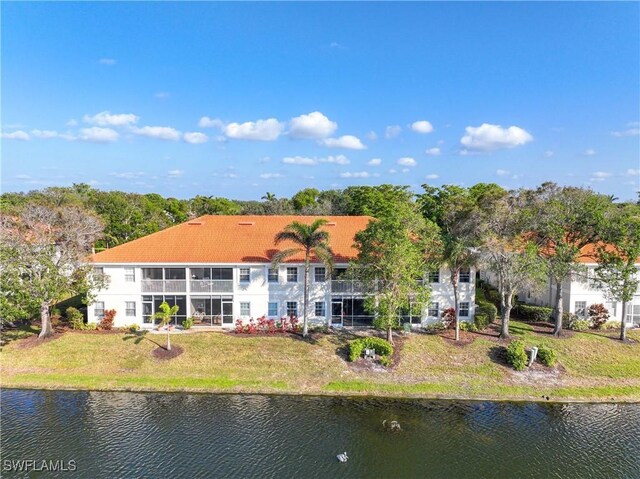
[211,285]
[164,286]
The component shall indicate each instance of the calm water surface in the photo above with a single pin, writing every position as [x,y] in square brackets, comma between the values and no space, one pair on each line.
[120,435]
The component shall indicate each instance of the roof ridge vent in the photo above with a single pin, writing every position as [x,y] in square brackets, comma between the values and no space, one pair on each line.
[195,223]
[331,223]
[246,223]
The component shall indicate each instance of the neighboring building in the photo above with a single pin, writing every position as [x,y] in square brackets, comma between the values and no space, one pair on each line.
[217,269]
[581,292]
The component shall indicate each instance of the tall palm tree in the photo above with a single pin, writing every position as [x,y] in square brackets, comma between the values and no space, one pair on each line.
[269,197]
[310,240]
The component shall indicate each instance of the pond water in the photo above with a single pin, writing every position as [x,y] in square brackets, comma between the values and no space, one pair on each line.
[118,435]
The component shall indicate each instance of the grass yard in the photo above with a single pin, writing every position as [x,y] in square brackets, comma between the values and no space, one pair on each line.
[592,367]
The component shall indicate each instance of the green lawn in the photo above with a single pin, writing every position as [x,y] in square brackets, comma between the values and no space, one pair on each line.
[591,366]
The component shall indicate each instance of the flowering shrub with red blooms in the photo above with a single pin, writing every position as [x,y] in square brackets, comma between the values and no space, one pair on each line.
[449,317]
[107,320]
[264,325]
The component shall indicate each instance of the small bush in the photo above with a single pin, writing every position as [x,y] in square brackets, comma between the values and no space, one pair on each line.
[449,317]
[567,319]
[611,325]
[357,347]
[107,320]
[598,315]
[578,324]
[133,327]
[516,355]
[187,323]
[547,356]
[527,312]
[75,318]
[489,310]
[468,326]
[385,361]
[90,326]
[435,327]
[481,321]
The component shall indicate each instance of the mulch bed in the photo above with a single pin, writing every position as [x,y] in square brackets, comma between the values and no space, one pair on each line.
[162,353]
[33,341]
[465,337]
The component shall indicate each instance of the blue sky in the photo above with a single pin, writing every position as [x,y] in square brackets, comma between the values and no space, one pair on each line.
[238,99]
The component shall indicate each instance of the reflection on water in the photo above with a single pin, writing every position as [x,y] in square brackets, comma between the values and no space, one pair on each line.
[191,435]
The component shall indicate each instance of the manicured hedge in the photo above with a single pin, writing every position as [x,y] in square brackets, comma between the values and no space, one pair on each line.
[488,309]
[516,355]
[357,347]
[481,321]
[547,356]
[527,312]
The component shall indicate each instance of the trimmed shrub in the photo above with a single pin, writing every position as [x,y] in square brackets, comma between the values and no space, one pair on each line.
[611,325]
[598,315]
[187,323]
[481,321]
[107,320]
[547,356]
[516,355]
[75,318]
[527,312]
[435,327]
[385,361]
[357,347]
[90,326]
[468,326]
[133,327]
[578,324]
[449,317]
[489,310]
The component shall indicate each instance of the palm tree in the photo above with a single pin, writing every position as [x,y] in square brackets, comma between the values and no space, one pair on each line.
[164,315]
[309,240]
[269,197]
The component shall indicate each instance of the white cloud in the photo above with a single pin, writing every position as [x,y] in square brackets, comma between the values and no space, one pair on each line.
[206,122]
[487,137]
[422,126]
[160,132]
[632,130]
[407,161]
[127,175]
[432,176]
[230,175]
[195,137]
[357,174]
[548,154]
[261,130]
[372,135]
[299,160]
[264,159]
[107,61]
[45,134]
[339,160]
[269,176]
[22,177]
[392,171]
[68,136]
[374,162]
[392,131]
[105,118]
[600,176]
[175,173]
[501,172]
[162,95]
[314,125]
[16,135]
[633,172]
[435,151]
[589,152]
[349,142]
[72,122]
[98,135]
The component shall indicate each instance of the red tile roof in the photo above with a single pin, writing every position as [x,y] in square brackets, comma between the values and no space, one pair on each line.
[230,239]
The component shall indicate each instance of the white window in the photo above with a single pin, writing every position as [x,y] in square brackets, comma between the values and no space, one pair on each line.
[292,275]
[613,308]
[273,275]
[633,314]
[434,276]
[98,270]
[434,310]
[320,274]
[580,309]
[273,309]
[464,276]
[129,275]
[245,308]
[130,308]
[292,308]
[463,309]
[321,309]
[99,309]
[245,275]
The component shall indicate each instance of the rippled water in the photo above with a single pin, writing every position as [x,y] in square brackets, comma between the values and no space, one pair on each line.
[188,435]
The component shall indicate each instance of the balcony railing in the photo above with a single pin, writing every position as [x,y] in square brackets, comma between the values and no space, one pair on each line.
[164,286]
[211,286]
[347,286]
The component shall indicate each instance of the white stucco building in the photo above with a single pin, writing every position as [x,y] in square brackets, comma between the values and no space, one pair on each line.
[217,269]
